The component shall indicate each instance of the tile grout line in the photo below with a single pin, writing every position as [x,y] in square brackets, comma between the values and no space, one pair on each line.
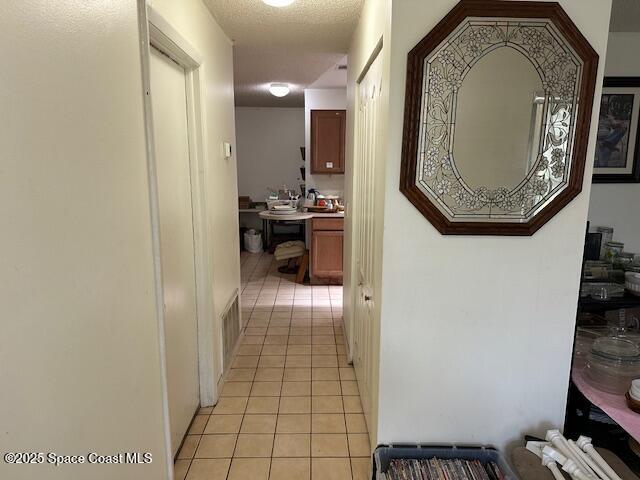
[314,316]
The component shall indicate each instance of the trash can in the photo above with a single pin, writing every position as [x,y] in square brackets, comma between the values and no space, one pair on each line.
[253,241]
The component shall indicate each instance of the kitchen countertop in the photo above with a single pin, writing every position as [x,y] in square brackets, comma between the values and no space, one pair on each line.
[328,215]
[299,216]
[251,210]
[295,216]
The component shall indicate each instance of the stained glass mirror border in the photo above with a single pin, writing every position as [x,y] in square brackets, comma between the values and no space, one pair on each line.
[436,70]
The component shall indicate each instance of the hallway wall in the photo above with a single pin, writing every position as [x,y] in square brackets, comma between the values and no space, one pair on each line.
[269,141]
[196,24]
[78,334]
[477,331]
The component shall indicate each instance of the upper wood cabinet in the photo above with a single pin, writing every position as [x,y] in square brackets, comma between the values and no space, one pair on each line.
[327,141]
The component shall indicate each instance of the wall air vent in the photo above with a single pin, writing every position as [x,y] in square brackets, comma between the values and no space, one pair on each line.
[230,329]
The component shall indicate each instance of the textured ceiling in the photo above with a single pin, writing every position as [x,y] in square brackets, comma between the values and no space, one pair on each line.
[295,44]
[625,16]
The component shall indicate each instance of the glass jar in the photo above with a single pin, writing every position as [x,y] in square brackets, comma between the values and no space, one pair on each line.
[625,259]
[613,363]
[611,375]
[606,236]
[612,250]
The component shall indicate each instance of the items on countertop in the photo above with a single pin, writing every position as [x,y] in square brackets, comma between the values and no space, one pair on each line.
[319,203]
[436,469]
[284,193]
[282,206]
[245,203]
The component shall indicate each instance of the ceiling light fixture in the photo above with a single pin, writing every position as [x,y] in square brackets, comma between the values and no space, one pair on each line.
[279,89]
[278,3]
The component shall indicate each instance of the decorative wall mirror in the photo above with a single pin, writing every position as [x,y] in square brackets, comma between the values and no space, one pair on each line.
[497,112]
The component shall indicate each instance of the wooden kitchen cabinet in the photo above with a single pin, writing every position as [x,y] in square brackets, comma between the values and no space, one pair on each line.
[328,129]
[327,250]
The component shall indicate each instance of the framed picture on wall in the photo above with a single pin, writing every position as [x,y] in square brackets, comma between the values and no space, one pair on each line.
[618,148]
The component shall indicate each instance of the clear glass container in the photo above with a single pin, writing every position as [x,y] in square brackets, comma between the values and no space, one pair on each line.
[585,336]
[602,291]
[625,260]
[611,375]
[613,363]
[616,348]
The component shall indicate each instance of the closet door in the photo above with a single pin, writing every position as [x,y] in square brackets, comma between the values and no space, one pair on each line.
[169,104]
[366,249]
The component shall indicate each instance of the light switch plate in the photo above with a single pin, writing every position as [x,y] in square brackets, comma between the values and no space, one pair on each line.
[226,147]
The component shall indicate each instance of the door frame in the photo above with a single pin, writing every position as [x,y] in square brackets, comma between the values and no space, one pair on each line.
[156,31]
[377,53]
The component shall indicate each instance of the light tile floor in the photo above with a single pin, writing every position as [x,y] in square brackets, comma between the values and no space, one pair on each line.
[290,408]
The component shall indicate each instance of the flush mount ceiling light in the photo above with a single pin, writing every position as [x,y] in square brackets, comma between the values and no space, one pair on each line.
[279,89]
[278,3]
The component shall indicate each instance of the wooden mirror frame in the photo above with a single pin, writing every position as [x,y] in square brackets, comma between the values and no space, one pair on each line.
[551,11]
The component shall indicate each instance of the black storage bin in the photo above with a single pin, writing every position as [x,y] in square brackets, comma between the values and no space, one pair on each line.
[384,454]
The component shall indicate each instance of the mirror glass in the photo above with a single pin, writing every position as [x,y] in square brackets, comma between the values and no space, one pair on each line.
[498,114]
[494,142]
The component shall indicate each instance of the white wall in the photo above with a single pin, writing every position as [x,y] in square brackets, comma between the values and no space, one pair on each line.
[322,99]
[78,336]
[610,203]
[268,149]
[79,333]
[196,24]
[477,332]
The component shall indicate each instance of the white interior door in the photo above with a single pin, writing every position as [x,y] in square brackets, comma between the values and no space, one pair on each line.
[366,202]
[169,104]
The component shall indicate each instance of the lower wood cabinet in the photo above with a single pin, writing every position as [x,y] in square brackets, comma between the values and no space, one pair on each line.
[327,250]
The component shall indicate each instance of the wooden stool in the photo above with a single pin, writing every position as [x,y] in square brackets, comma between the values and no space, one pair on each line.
[302,267]
[297,265]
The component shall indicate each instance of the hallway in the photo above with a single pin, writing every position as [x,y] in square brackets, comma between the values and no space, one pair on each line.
[290,408]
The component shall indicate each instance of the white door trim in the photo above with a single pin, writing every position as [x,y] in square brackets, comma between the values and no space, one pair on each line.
[156,31]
